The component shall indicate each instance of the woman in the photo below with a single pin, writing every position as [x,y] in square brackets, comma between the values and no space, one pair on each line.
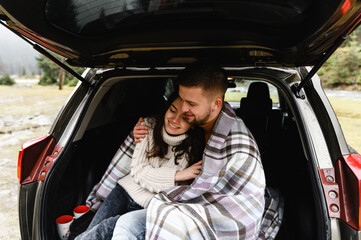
[167,156]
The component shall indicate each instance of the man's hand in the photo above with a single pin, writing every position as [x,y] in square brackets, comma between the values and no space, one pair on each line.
[188,173]
[139,131]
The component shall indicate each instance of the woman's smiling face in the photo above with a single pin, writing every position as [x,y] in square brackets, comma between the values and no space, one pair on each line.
[174,119]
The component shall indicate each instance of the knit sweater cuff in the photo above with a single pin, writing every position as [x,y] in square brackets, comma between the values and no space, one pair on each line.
[156,180]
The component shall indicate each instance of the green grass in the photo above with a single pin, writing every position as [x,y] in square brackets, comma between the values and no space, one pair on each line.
[349,115]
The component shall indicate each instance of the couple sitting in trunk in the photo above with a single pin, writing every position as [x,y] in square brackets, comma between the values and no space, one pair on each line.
[197,174]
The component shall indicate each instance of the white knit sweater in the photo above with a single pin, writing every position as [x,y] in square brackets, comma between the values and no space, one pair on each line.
[149,176]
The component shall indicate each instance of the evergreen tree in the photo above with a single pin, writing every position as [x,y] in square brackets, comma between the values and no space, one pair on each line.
[7,80]
[51,72]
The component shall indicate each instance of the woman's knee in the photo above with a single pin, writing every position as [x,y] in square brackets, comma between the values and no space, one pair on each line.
[131,225]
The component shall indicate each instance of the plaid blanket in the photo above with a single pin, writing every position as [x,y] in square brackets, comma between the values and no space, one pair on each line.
[225,201]
[272,215]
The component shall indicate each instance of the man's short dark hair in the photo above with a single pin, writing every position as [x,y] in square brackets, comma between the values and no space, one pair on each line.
[206,74]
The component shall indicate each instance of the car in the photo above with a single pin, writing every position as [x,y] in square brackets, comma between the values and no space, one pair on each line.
[133,51]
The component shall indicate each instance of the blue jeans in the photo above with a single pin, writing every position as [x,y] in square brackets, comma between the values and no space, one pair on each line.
[103,230]
[131,226]
[116,204]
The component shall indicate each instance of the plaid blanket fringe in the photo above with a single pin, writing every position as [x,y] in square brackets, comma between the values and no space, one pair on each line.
[272,216]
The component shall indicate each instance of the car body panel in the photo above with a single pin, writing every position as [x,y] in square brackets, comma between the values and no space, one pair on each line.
[350,185]
[32,156]
[293,33]
[27,198]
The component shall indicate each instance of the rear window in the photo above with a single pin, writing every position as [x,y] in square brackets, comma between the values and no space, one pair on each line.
[240,90]
[94,17]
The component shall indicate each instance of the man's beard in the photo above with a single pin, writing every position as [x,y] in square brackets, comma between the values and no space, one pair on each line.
[199,122]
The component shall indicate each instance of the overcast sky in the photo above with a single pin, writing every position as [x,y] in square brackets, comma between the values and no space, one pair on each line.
[15,53]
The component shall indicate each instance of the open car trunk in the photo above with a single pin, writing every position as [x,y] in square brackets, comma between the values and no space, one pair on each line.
[110,115]
[167,33]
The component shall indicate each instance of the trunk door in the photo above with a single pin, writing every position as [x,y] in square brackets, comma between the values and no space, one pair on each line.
[106,33]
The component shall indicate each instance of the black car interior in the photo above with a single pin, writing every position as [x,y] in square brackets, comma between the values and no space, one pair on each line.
[255,110]
[275,130]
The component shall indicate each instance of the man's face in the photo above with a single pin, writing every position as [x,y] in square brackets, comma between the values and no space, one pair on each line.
[197,108]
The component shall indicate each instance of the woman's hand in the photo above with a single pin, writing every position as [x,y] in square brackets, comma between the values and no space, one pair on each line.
[188,173]
[139,131]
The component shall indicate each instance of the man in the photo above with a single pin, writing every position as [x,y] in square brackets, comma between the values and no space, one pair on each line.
[226,200]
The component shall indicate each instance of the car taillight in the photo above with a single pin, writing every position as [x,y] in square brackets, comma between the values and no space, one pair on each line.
[35,158]
[348,175]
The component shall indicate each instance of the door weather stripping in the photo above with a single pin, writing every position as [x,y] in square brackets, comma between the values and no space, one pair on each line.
[48,55]
[297,88]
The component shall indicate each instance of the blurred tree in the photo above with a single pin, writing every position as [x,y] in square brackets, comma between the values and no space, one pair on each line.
[49,69]
[7,80]
[343,68]
[51,72]
[23,73]
[3,69]
[61,75]
[354,36]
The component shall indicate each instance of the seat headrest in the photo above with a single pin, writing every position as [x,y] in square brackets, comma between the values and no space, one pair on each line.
[259,91]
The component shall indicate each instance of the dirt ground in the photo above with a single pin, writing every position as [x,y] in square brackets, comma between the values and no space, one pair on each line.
[26,111]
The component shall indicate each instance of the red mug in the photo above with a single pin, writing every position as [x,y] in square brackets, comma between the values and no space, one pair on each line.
[80,210]
[63,225]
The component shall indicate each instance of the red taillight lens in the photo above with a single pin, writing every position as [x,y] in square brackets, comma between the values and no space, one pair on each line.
[348,175]
[20,159]
[32,156]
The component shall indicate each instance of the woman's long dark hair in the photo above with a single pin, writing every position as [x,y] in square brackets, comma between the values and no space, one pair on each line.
[192,146]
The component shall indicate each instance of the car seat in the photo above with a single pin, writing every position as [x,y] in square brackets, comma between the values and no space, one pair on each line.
[255,110]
